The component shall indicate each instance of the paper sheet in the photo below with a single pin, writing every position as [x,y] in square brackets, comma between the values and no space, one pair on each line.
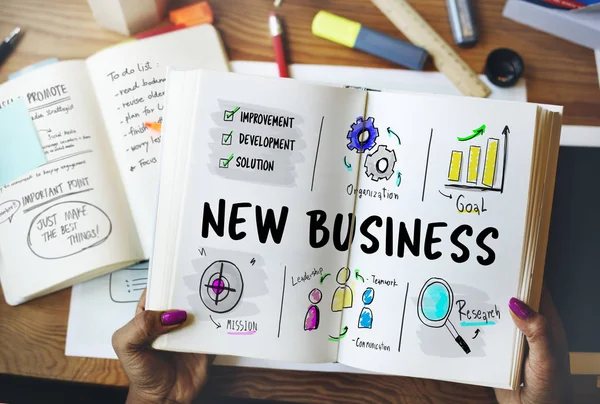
[378,79]
[21,150]
[111,301]
[580,136]
[94,296]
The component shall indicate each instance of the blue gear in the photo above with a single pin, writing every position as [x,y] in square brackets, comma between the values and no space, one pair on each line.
[358,128]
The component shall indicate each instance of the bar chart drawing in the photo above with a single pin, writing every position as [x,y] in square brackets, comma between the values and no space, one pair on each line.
[471,170]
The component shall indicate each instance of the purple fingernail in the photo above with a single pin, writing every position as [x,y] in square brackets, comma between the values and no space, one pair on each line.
[522,310]
[173,317]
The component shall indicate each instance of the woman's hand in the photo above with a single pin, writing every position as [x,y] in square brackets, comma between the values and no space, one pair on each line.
[547,378]
[157,376]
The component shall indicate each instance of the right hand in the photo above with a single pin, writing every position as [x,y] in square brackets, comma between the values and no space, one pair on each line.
[547,378]
[158,376]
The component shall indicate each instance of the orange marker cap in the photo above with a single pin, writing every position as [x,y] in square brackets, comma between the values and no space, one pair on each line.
[196,14]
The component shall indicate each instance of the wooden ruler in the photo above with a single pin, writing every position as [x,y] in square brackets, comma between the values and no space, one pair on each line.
[419,32]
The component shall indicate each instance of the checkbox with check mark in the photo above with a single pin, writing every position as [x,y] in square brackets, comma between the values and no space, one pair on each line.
[224,163]
[228,115]
[226,139]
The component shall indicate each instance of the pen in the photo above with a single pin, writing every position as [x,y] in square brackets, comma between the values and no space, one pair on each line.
[462,19]
[277,34]
[9,43]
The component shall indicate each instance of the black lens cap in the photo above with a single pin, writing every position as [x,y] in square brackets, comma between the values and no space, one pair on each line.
[504,67]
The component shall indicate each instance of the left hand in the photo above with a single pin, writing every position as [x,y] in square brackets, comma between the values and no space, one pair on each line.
[158,376]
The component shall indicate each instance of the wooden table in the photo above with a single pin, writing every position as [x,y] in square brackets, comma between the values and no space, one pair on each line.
[32,336]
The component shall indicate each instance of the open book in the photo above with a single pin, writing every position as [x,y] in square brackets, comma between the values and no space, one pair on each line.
[383,231]
[90,209]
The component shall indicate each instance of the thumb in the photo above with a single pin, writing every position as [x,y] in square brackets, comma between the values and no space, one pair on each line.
[536,329]
[145,327]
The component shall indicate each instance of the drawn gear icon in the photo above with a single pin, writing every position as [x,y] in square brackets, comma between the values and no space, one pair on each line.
[358,131]
[380,164]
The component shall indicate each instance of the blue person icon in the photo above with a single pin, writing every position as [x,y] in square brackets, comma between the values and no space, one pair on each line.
[365,319]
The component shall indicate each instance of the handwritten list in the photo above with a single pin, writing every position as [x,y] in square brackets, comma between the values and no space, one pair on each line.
[130,81]
[139,90]
[131,93]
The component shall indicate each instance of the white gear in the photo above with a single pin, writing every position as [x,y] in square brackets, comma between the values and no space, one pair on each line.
[380,164]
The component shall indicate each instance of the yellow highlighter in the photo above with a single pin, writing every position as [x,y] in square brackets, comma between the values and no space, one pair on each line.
[353,35]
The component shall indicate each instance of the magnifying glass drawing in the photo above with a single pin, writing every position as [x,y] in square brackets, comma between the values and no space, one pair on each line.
[434,307]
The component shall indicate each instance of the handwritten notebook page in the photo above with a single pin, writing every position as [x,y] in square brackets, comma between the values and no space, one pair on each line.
[129,80]
[449,227]
[279,162]
[68,217]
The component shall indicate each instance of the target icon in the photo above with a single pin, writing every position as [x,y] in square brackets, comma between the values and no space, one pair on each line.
[221,286]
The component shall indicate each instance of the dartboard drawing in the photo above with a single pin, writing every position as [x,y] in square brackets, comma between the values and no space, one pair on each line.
[221,286]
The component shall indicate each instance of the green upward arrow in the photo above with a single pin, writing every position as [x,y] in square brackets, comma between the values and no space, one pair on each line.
[476,132]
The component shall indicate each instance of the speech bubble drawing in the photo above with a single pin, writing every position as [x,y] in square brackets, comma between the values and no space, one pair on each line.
[68,228]
[8,210]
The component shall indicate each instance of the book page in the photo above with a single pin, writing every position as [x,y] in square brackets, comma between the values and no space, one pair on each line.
[130,83]
[263,237]
[69,216]
[441,214]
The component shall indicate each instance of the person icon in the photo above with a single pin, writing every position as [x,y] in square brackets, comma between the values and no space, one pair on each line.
[311,321]
[365,319]
[342,298]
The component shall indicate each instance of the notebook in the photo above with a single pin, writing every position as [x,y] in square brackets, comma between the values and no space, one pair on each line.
[89,210]
[98,295]
[383,231]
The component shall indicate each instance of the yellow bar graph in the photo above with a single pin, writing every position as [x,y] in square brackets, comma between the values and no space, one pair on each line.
[491,158]
[473,170]
[455,166]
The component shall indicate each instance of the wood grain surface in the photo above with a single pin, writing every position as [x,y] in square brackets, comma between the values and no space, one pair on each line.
[32,336]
